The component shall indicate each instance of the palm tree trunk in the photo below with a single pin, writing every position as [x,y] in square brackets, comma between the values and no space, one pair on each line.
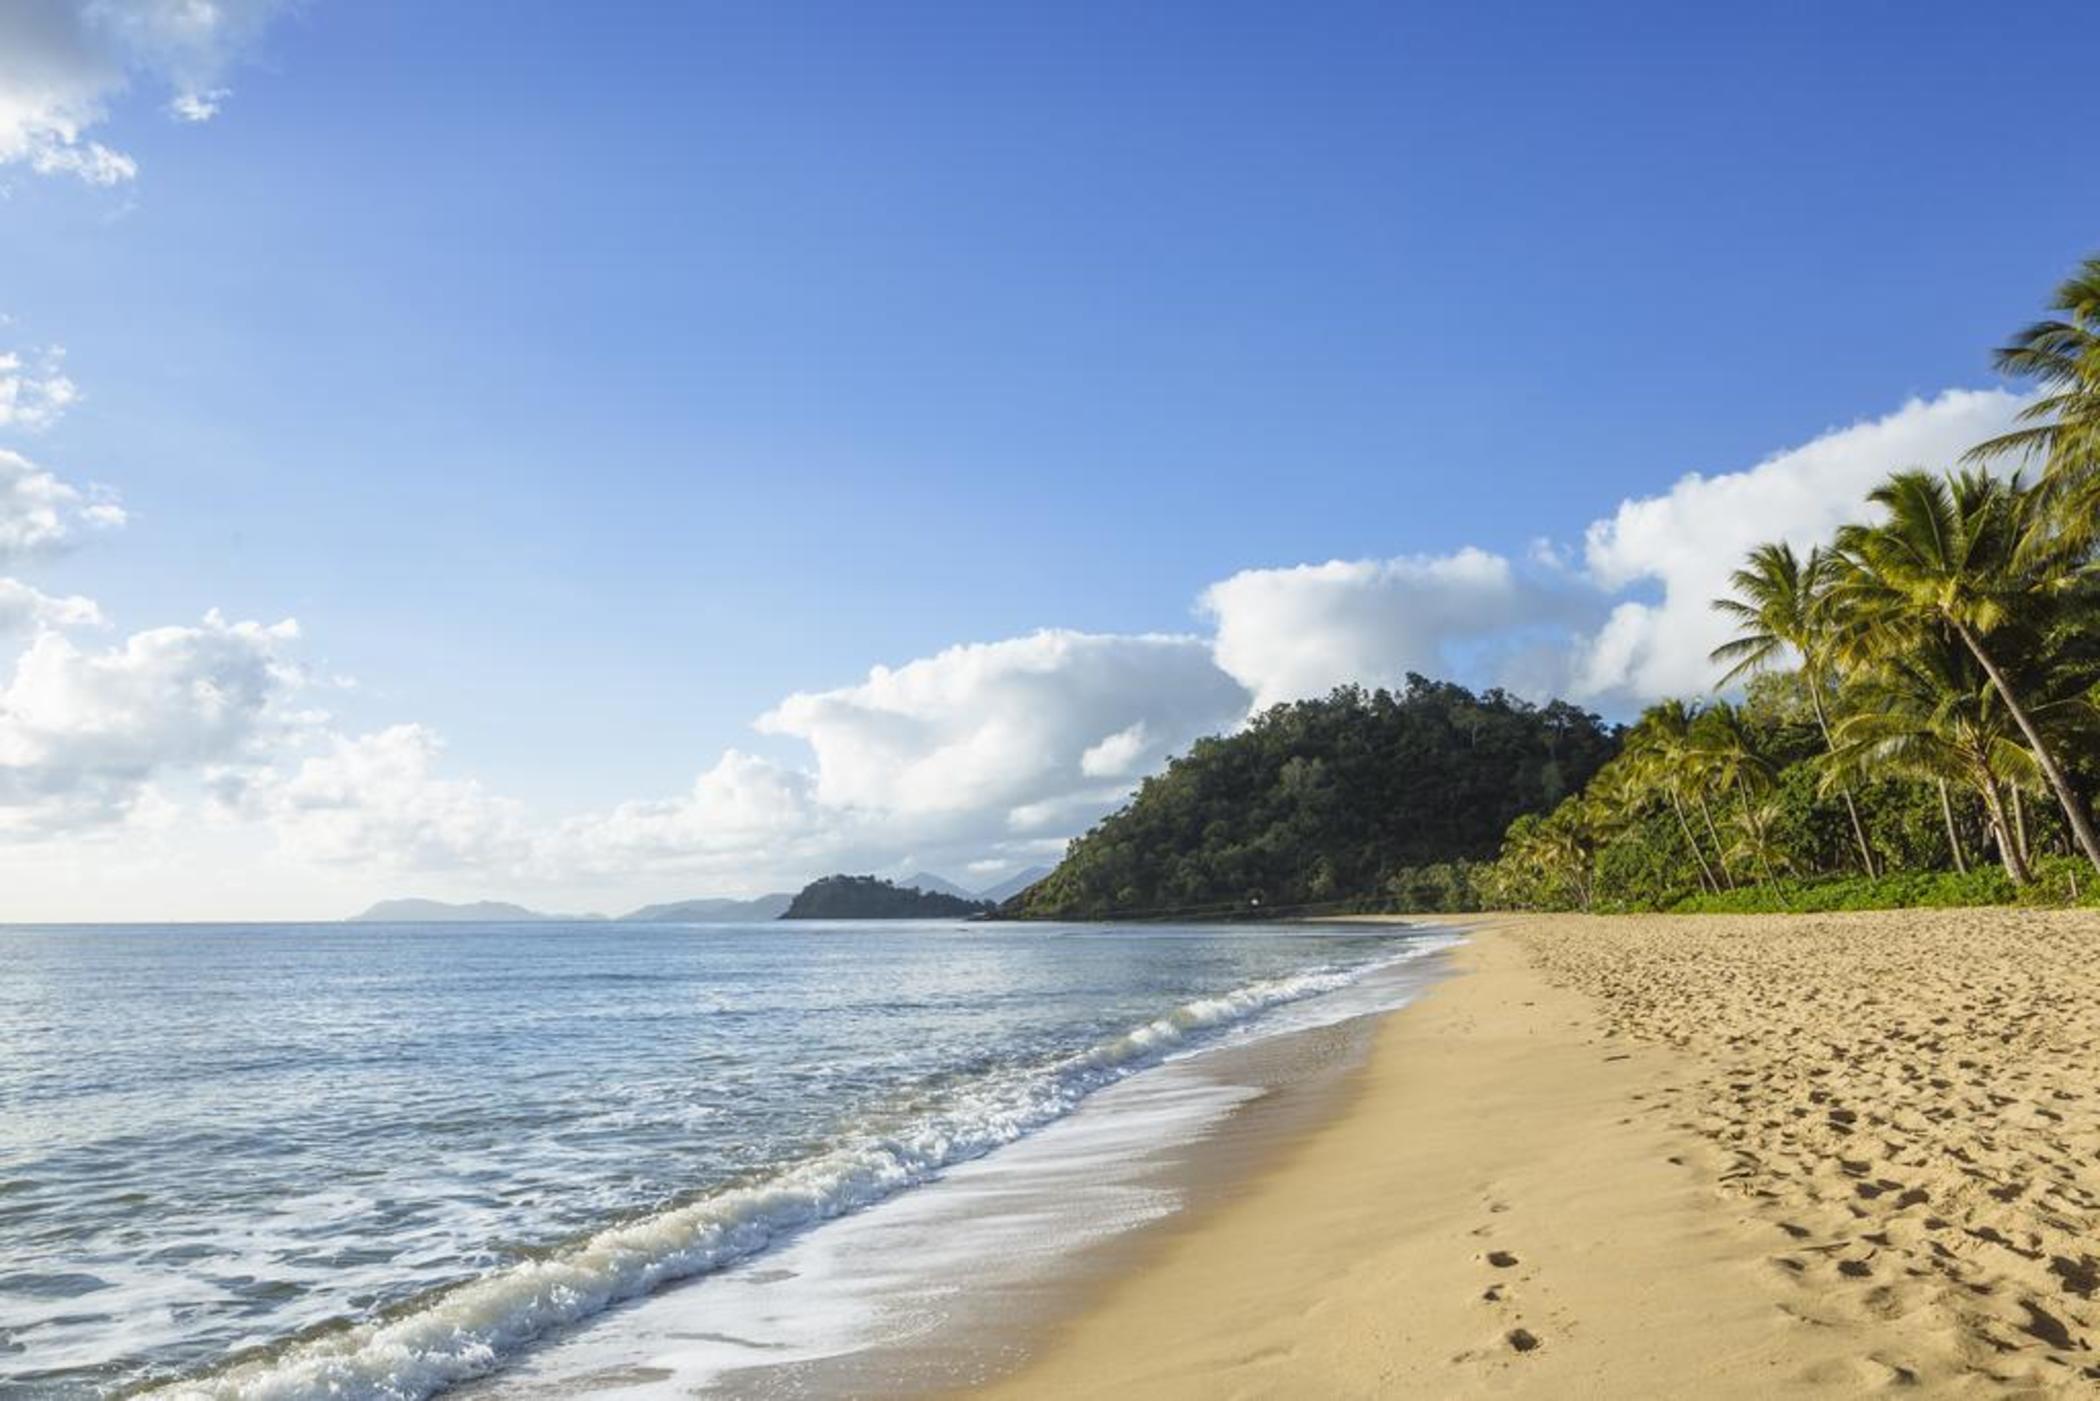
[2008,852]
[1720,858]
[2074,808]
[1706,876]
[1961,863]
[1859,830]
[2019,813]
[1755,828]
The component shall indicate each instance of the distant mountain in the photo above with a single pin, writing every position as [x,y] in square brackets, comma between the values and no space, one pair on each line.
[866,897]
[937,885]
[439,912]
[1013,885]
[711,911]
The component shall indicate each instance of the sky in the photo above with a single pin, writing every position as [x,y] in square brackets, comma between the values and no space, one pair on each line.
[596,454]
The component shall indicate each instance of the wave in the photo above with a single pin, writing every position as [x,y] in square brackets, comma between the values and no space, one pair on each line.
[466,1331]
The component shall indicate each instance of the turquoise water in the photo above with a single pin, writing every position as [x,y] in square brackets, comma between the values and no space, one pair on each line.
[221,1145]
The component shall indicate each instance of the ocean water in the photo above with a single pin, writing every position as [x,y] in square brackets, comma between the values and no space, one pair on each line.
[381,1161]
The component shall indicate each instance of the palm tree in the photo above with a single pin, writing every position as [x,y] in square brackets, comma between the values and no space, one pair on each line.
[1726,753]
[1754,842]
[1660,746]
[1780,607]
[1568,846]
[1553,852]
[1959,552]
[2062,355]
[1930,713]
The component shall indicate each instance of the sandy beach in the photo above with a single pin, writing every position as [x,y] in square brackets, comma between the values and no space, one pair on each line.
[1631,1157]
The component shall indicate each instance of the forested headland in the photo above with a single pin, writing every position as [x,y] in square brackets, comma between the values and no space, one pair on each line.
[1364,799]
[1908,713]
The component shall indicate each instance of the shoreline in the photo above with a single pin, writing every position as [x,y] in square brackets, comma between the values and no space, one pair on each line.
[1504,1203]
[934,1290]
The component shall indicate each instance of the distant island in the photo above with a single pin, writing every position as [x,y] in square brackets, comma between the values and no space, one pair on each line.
[921,896]
[712,910]
[441,912]
[870,897]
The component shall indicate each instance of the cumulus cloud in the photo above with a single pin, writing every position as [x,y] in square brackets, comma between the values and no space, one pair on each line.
[377,799]
[34,393]
[24,607]
[62,62]
[744,817]
[1290,633]
[965,755]
[84,733]
[991,752]
[1117,756]
[40,513]
[198,106]
[1004,724]
[1686,541]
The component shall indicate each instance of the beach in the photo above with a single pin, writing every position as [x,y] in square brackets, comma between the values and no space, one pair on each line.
[1656,1156]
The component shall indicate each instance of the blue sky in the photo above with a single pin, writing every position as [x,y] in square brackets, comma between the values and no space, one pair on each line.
[587,379]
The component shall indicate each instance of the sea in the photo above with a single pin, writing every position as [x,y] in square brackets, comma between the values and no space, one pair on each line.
[391,1161]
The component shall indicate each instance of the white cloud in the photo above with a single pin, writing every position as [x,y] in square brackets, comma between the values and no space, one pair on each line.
[83,734]
[23,607]
[34,395]
[374,799]
[1291,633]
[964,756]
[198,106]
[40,513]
[62,62]
[991,752]
[91,161]
[997,725]
[1688,540]
[744,817]
[1116,756]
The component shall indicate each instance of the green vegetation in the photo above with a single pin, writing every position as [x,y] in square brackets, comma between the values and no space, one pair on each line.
[868,897]
[1922,723]
[1985,885]
[1361,800]
[1919,724]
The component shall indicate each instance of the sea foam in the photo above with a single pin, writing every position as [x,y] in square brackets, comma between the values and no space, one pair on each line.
[458,1334]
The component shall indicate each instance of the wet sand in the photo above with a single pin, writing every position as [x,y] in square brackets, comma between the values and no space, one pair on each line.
[935,1291]
[1723,1157]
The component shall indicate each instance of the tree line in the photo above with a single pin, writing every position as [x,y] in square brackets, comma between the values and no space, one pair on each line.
[1922,719]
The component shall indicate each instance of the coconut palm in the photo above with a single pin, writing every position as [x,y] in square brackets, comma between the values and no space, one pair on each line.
[1930,713]
[1569,846]
[2062,356]
[1554,852]
[1726,754]
[1754,843]
[1967,553]
[1660,748]
[1780,609]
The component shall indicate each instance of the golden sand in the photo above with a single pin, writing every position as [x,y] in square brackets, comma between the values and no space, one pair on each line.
[1666,1157]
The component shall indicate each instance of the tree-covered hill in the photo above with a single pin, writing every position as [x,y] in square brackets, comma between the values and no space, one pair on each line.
[1346,799]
